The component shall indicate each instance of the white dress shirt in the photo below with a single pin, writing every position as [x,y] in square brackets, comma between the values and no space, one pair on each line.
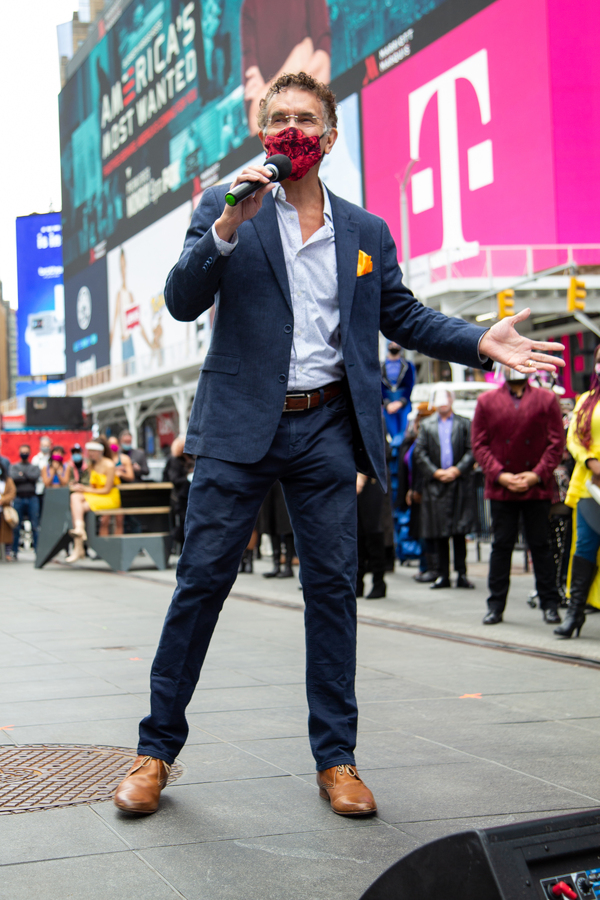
[311,267]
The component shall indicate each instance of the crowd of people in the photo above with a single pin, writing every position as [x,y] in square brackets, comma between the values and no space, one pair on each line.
[538,459]
[92,473]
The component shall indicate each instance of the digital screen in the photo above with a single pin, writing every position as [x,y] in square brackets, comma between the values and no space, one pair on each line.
[164,106]
[41,312]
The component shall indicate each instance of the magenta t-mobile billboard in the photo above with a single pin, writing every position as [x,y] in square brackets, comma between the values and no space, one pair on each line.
[502,115]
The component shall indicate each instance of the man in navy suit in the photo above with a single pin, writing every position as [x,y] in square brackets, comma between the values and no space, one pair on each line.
[290,390]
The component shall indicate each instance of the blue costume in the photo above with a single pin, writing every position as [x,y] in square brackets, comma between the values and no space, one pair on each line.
[244,443]
[397,382]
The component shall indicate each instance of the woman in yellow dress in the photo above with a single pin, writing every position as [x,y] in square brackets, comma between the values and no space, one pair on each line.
[583,442]
[101,493]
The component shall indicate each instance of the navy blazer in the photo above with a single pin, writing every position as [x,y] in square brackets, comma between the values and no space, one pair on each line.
[243,382]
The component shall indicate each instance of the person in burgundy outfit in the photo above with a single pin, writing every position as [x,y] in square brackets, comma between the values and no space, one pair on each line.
[518,439]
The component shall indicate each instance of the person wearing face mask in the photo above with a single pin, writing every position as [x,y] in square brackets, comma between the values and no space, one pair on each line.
[57,473]
[138,458]
[79,465]
[25,476]
[445,459]
[397,382]
[518,441]
[41,460]
[290,390]
[583,442]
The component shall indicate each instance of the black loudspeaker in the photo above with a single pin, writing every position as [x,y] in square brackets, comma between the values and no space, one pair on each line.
[54,412]
[547,859]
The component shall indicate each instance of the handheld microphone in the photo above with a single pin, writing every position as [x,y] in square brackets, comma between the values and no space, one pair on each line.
[280,167]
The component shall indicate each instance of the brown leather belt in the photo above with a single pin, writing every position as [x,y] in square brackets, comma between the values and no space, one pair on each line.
[297,402]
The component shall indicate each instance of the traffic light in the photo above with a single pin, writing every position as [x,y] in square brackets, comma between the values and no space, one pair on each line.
[576,294]
[506,304]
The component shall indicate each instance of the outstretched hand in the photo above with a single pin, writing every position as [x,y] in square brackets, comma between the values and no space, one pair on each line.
[504,344]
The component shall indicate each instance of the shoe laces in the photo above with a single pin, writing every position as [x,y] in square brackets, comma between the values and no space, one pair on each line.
[148,759]
[348,770]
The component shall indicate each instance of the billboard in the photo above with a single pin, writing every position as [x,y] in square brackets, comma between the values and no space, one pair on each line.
[475,109]
[87,341]
[143,336]
[165,101]
[41,312]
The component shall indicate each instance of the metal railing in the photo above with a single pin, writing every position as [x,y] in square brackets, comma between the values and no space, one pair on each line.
[507,261]
[142,367]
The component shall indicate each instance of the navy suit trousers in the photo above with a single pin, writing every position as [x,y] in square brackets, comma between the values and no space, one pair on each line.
[312,456]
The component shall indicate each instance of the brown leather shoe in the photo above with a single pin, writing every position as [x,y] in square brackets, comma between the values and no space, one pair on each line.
[348,794]
[139,792]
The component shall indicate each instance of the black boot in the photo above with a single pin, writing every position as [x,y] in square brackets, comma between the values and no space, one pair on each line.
[582,575]
[246,563]
[287,571]
[276,544]
[379,587]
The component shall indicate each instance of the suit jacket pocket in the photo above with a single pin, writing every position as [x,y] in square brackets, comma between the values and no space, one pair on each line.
[217,362]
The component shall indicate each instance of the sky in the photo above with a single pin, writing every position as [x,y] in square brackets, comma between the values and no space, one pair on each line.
[29,142]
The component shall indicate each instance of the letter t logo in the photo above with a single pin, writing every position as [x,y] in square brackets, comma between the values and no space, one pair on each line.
[475,70]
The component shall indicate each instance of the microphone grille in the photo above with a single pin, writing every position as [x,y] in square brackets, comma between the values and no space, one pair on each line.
[282,163]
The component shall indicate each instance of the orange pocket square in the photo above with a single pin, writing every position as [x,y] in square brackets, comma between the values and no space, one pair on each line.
[365,264]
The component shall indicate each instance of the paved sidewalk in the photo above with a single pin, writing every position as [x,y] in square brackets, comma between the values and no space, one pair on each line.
[452,735]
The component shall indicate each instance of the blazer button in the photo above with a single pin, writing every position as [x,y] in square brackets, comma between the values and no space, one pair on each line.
[508,441]
[287,329]
[282,378]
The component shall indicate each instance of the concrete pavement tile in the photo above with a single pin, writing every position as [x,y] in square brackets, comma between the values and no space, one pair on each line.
[253,659]
[105,732]
[525,742]
[425,832]
[454,711]
[52,712]
[192,813]
[337,865]
[54,834]
[108,876]
[378,750]
[239,725]
[557,704]
[20,655]
[52,671]
[110,732]
[128,672]
[381,690]
[62,688]
[475,788]
[293,673]
[291,754]
[586,723]
[223,762]
[260,697]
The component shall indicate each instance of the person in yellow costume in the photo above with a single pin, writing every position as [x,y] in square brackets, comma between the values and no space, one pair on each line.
[583,442]
[101,493]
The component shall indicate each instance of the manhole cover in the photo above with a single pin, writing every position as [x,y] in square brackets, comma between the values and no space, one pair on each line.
[46,776]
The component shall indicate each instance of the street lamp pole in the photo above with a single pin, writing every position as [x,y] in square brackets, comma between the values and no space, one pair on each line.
[404,221]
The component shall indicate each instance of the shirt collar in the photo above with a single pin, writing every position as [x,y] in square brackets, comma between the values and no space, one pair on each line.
[279,197]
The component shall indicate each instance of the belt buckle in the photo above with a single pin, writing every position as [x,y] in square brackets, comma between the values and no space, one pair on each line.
[298,395]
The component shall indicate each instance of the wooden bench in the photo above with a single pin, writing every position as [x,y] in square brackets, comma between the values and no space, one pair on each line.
[147,501]
[142,501]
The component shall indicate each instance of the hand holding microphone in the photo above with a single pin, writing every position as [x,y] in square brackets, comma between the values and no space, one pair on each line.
[245,197]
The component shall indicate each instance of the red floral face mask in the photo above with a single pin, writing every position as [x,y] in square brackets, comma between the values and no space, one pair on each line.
[304,151]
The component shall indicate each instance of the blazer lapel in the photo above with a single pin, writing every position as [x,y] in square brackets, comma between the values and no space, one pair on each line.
[347,242]
[265,222]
